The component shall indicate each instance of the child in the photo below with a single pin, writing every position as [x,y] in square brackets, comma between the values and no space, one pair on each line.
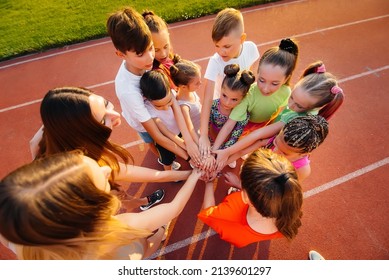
[164,57]
[155,88]
[268,207]
[270,95]
[296,141]
[47,214]
[317,92]
[231,48]
[234,88]
[187,76]
[133,42]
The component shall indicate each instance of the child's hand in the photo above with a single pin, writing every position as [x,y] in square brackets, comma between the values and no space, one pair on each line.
[221,159]
[208,164]
[193,152]
[204,146]
[233,180]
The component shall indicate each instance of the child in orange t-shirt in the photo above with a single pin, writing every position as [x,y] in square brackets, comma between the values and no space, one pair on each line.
[268,207]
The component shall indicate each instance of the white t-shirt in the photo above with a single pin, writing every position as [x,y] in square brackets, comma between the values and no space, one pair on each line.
[127,86]
[166,116]
[215,68]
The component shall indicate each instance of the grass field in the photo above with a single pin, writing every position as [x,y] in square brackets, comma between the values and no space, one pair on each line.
[31,26]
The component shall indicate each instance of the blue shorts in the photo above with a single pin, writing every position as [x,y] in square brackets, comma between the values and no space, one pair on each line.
[146,137]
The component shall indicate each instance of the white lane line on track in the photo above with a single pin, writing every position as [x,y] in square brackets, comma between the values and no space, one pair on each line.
[205,234]
[205,58]
[371,71]
[108,40]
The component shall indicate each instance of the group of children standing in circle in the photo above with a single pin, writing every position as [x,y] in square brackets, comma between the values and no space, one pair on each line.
[61,206]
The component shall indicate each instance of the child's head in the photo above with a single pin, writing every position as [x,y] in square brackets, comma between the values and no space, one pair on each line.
[186,73]
[316,89]
[301,136]
[276,66]
[228,33]
[235,85]
[155,88]
[44,206]
[270,183]
[128,31]
[160,35]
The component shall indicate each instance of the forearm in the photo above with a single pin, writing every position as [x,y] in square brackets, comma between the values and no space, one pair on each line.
[223,134]
[132,173]
[209,195]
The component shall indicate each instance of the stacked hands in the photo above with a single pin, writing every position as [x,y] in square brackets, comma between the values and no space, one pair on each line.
[210,163]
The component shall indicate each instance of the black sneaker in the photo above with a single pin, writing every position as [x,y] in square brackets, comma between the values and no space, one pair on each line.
[153,198]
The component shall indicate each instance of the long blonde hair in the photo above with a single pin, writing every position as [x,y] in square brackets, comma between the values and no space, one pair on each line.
[52,207]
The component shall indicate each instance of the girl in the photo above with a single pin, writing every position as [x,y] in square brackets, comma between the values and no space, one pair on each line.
[187,76]
[268,207]
[234,88]
[317,92]
[296,141]
[163,108]
[76,118]
[47,216]
[164,57]
[270,95]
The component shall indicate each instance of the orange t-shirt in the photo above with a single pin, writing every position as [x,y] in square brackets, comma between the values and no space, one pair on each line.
[228,219]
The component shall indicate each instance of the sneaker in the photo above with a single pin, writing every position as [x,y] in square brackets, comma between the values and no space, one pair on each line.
[153,199]
[232,190]
[232,164]
[175,165]
[315,256]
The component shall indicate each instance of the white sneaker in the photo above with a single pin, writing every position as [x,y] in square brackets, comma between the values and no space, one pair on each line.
[315,256]
[176,166]
[232,164]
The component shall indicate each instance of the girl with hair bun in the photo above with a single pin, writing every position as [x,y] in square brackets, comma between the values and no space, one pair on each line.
[187,77]
[269,96]
[316,93]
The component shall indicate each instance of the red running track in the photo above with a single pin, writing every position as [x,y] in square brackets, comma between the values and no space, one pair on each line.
[346,196]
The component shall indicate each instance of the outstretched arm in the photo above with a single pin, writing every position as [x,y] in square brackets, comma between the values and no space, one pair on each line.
[186,113]
[191,146]
[132,173]
[223,134]
[162,140]
[204,144]
[209,195]
[161,214]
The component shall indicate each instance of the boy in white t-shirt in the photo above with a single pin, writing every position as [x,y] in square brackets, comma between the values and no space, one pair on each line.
[133,42]
[231,48]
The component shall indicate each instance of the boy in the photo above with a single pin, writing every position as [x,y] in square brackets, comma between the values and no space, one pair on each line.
[231,48]
[132,40]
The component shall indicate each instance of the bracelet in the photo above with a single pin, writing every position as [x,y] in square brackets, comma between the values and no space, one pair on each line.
[188,159]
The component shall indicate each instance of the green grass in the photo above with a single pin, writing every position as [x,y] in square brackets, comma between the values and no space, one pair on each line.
[29,26]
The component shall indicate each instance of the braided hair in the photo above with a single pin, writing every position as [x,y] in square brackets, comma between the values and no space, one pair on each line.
[306,132]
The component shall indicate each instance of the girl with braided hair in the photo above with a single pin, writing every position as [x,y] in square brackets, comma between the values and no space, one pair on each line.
[295,141]
[269,96]
[268,207]
[316,93]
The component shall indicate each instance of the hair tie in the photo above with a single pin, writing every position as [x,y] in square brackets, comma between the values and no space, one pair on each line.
[281,179]
[336,90]
[321,69]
